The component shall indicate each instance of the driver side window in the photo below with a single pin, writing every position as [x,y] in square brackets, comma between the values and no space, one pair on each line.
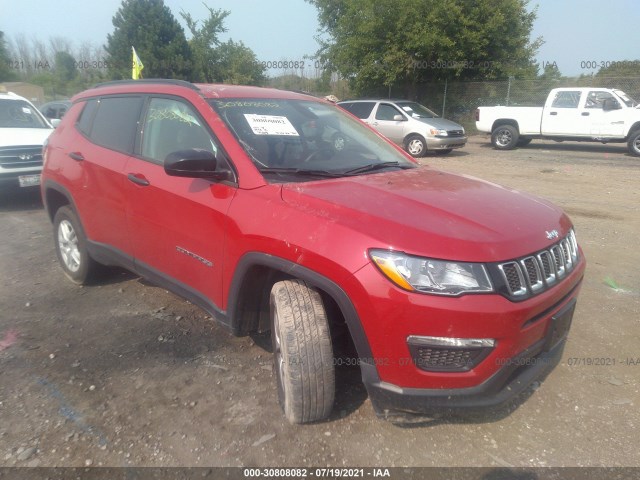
[171,125]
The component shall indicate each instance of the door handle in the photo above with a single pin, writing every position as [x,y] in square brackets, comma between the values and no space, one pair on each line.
[585,114]
[553,113]
[138,179]
[77,156]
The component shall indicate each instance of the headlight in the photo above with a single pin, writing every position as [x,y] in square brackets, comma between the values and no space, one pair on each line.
[426,275]
[439,133]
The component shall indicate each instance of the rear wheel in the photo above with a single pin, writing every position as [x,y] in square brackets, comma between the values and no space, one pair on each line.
[634,143]
[302,351]
[71,247]
[416,146]
[505,137]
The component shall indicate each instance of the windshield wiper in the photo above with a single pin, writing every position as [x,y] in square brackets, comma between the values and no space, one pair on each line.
[301,171]
[372,167]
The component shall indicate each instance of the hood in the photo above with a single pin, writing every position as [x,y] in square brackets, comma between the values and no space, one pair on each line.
[17,137]
[440,123]
[431,213]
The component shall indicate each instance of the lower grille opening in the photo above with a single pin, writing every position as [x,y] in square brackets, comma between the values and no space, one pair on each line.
[434,358]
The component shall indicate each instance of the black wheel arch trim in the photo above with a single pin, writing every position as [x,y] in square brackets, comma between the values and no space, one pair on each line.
[252,259]
[55,186]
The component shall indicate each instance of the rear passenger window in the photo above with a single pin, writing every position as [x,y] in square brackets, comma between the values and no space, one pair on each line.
[115,123]
[86,117]
[359,109]
[566,100]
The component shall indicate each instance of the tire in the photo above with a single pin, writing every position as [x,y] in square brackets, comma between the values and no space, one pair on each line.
[416,146]
[71,247]
[523,142]
[302,351]
[505,137]
[634,143]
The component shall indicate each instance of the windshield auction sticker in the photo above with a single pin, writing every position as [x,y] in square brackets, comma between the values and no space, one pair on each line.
[270,125]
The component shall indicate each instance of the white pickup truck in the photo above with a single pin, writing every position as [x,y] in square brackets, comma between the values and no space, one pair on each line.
[578,114]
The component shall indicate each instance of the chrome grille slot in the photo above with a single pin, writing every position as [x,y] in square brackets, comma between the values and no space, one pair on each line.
[548,269]
[515,280]
[558,259]
[534,276]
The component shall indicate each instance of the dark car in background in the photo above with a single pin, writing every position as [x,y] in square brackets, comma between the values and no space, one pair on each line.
[55,110]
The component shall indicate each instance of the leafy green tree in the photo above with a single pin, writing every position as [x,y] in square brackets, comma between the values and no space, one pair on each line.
[217,61]
[203,43]
[159,40]
[6,74]
[384,43]
[238,65]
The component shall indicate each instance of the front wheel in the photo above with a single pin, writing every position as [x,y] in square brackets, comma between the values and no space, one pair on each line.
[505,137]
[302,351]
[634,143]
[416,146]
[71,247]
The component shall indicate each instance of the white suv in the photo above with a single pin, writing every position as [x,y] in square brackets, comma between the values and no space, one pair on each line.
[23,131]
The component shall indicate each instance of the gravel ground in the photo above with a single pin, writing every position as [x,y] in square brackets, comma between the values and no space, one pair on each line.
[125,374]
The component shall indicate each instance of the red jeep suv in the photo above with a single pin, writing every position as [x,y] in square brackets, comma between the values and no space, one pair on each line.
[276,211]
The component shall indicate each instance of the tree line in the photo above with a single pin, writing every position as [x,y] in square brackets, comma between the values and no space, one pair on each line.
[367,47]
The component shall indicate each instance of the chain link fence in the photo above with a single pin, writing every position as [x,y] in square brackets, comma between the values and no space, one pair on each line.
[458,100]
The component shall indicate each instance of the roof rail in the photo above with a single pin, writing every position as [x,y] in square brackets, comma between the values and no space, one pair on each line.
[166,81]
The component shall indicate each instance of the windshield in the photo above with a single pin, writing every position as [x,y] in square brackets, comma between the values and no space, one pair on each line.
[306,139]
[19,114]
[628,101]
[416,110]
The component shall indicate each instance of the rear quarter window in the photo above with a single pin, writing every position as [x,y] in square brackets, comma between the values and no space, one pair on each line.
[115,123]
[86,116]
[359,109]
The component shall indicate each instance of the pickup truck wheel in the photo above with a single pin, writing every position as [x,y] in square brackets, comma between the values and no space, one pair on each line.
[505,137]
[416,146]
[634,143]
[303,355]
[523,142]
[71,247]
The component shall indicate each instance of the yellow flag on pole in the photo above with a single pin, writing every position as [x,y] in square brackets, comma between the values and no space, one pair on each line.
[136,66]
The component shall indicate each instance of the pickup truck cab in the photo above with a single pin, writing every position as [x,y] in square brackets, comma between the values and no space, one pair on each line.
[578,114]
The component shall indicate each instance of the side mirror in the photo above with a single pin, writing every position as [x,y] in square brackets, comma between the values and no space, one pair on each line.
[398,118]
[193,163]
[54,122]
[610,104]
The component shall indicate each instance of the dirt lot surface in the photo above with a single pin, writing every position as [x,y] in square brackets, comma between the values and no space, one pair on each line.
[125,374]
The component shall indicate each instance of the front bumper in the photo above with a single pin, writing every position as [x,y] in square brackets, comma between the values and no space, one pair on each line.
[534,364]
[445,143]
[11,178]
[527,345]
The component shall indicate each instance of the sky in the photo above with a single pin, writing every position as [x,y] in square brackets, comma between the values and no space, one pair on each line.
[579,35]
